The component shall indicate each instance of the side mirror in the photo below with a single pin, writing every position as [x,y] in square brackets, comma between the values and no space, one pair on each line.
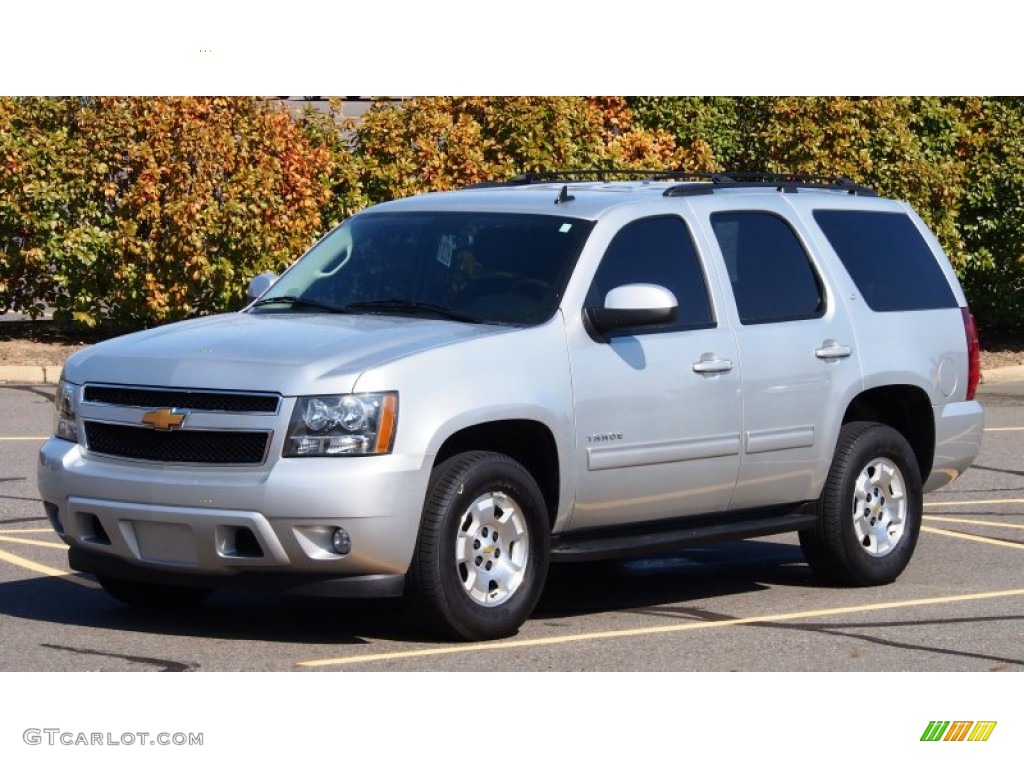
[259,285]
[637,305]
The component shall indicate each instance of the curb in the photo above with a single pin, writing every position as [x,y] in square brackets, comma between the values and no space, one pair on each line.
[30,374]
[1001,375]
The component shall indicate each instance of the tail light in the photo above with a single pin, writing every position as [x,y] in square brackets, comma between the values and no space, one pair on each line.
[973,353]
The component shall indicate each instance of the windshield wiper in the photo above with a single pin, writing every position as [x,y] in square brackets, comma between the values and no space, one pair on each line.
[298,301]
[414,308]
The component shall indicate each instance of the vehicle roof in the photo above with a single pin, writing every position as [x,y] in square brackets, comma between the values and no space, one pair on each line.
[591,199]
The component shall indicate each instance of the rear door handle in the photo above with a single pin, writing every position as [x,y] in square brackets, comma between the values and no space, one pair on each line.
[832,350]
[711,363]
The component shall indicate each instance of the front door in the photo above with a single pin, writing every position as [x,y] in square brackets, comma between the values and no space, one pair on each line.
[658,409]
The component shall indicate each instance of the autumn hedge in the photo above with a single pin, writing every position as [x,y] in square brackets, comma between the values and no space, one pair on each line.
[128,212]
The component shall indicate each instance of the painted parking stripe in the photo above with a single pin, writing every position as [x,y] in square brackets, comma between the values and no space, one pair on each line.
[33,542]
[972,503]
[972,537]
[26,530]
[1004,429]
[21,562]
[967,521]
[638,632]
[9,437]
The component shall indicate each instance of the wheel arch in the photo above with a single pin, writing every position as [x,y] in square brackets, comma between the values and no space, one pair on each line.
[905,408]
[529,442]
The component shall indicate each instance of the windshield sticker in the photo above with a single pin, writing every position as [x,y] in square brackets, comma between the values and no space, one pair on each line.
[445,249]
[565,228]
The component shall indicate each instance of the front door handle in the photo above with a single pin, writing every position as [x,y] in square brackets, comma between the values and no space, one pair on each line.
[832,350]
[711,363]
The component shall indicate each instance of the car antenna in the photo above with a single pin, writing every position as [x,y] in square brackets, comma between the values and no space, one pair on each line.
[564,196]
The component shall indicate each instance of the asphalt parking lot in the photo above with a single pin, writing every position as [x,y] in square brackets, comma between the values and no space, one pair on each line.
[751,605]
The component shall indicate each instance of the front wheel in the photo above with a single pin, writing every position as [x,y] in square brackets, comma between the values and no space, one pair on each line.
[483,548]
[869,513]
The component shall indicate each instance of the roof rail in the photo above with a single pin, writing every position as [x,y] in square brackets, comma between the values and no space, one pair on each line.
[783,182]
[590,174]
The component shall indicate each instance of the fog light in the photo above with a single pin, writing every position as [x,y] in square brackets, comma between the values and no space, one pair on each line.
[341,542]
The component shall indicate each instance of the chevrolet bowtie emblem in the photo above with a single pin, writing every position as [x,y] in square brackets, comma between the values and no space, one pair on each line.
[164,418]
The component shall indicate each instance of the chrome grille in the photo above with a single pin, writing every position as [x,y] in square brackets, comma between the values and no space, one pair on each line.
[190,399]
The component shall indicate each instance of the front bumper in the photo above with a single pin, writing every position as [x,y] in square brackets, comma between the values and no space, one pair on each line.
[269,522]
[293,583]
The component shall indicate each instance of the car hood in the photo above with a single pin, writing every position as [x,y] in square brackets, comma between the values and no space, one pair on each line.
[291,353]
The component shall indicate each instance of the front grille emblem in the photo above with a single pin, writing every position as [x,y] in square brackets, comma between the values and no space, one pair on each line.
[164,418]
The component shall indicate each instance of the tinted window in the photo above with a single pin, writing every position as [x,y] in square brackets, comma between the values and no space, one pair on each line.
[771,276]
[888,259]
[657,250]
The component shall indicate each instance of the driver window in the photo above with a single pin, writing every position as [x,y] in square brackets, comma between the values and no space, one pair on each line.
[657,250]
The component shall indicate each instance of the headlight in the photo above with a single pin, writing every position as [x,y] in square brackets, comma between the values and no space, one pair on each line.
[64,425]
[342,425]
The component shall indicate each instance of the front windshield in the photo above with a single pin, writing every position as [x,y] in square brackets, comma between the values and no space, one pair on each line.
[481,267]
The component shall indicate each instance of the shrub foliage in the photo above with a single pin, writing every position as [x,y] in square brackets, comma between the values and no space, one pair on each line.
[131,212]
[128,212]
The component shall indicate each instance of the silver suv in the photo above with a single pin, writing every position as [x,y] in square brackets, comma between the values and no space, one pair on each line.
[450,391]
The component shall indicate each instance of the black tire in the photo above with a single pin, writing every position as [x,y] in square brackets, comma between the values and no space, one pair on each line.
[488,505]
[153,597]
[869,513]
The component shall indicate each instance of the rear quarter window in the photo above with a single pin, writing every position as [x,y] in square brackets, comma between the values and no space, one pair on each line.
[888,259]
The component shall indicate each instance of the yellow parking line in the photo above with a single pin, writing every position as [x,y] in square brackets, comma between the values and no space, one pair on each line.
[943,518]
[5,531]
[30,565]
[974,503]
[618,633]
[970,537]
[23,438]
[33,542]
[1004,429]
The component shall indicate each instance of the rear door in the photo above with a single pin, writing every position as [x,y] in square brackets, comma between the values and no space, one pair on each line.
[796,347]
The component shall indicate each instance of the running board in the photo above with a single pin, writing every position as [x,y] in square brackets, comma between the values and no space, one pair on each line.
[635,542]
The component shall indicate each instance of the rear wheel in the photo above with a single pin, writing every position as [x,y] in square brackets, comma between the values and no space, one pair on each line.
[869,513]
[140,594]
[482,553]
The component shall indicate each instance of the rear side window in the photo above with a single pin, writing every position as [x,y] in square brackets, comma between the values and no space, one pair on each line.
[888,259]
[772,278]
[657,250]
